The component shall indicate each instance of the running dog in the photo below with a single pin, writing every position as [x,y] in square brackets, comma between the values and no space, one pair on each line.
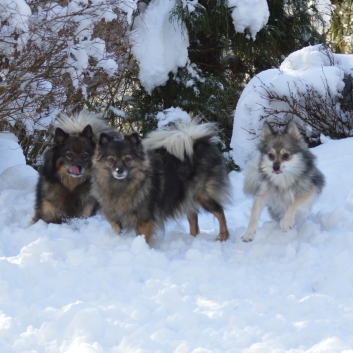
[284,177]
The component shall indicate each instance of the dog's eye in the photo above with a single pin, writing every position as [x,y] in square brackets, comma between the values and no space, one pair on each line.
[111,160]
[69,155]
[271,156]
[85,156]
[127,159]
[285,156]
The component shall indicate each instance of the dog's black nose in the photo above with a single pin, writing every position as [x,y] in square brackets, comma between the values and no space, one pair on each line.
[120,170]
[276,166]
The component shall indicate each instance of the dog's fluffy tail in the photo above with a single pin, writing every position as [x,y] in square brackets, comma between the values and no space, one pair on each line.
[180,140]
[74,123]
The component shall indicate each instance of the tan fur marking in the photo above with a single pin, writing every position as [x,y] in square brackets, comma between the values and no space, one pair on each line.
[273,151]
[146,228]
[50,213]
[203,200]
[223,230]
[194,226]
[68,181]
[284,151]
[115,225]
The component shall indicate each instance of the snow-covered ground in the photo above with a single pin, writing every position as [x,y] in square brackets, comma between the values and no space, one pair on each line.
[79,288]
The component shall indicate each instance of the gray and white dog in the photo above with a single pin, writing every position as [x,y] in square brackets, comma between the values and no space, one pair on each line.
[284,177]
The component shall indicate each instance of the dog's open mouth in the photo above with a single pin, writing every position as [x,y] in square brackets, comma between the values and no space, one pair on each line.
[75,171]
[277,172]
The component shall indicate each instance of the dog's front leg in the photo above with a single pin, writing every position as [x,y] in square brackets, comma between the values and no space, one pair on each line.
[90,208]
[257,207]
[146,229]
[223,230]
[115,225]
[194,224]
[287,221]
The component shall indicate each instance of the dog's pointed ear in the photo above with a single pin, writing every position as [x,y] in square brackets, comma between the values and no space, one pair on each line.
[267,131]
[87,132]
[293,131]
[133,138]
[104,139]
[60,136]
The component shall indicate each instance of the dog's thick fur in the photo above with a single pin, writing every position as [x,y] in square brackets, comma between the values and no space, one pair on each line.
[74,123]
[64,185]
[171,173]
[284,177]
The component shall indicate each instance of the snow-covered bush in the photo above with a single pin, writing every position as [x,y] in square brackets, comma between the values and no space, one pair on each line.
[313,86]
[55,54]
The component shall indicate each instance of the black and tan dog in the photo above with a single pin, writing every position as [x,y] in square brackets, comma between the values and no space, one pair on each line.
[64,186]
[175,172]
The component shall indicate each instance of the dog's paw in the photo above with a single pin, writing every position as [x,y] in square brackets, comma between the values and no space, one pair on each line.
[248,237]
[286,223]
[223,236]
[116,227]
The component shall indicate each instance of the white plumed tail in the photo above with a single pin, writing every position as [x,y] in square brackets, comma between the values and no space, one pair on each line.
[180,139]
[74,123]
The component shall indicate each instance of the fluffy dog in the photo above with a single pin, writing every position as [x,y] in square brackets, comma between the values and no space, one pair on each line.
[283,178]
[64,185]
[175,172]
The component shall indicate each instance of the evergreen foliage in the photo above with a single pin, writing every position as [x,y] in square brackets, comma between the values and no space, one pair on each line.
[341,26]
[291,26]
[222,61]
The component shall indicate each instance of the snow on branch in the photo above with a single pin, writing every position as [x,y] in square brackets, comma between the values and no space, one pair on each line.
[53,52]
[249,14]
[57,54]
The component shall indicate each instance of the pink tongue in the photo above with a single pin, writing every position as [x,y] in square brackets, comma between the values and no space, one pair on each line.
[277,172]
[75,170]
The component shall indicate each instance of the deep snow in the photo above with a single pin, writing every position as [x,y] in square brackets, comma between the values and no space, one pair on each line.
[79,288]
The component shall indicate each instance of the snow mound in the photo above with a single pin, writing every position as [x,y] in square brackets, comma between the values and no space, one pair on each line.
[10,151]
